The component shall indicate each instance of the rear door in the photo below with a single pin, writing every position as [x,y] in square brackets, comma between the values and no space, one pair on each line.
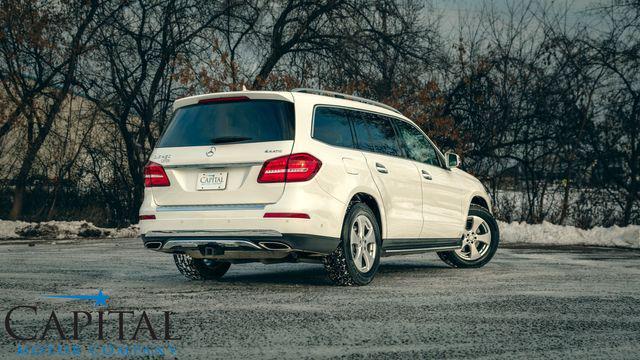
[212,151]
[441,195]
[397,179]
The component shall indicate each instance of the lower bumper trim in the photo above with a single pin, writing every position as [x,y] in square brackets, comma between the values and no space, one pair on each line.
[170,244]
[240,241]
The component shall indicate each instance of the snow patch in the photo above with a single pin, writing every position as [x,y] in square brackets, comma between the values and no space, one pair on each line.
[61,230]
[551,234]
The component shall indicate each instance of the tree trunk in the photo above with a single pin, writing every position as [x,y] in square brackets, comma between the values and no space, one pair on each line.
[18,201]
[135,165]
[25,169]
[628,207]
[565,203]
[54,202]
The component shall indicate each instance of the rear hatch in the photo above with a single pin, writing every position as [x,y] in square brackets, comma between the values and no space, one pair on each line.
[213,149]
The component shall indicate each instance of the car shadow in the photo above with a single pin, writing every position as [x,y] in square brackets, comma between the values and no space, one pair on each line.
[312,275]
[316,276]
[399,267]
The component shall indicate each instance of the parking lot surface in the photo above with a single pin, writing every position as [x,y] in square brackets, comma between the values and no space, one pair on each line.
[527,303]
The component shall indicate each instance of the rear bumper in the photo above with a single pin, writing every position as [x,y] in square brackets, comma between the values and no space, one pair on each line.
[247,244]
[325,215]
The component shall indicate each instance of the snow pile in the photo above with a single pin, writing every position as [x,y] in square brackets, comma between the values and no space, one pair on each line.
[8,228]
[510,233]
[550,234]
[61,230]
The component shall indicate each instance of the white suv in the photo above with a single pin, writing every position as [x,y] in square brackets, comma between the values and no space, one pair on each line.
[307,175]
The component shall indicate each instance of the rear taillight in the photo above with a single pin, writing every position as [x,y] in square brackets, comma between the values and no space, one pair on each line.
[154,175]
[290,168]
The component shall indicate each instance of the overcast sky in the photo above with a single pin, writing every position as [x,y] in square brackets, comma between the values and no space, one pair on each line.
[451,10]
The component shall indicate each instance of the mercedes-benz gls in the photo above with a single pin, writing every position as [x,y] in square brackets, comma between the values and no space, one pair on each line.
[307,175]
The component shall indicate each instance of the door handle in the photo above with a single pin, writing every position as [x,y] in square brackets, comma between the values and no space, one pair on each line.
[426,175]
[381,168]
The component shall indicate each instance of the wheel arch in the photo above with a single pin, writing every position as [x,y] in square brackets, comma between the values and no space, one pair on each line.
[373,203]
[480,199]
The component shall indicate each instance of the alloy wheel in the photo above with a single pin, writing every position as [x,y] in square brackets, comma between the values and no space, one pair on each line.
[363,243]
[476,239]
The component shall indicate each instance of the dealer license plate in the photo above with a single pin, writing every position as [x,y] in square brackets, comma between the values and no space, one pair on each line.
[212,181]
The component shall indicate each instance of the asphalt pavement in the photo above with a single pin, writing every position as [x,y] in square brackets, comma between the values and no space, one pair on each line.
[526,303]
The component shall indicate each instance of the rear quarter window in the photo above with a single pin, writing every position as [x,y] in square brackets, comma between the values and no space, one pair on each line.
[230,122]
[331,126]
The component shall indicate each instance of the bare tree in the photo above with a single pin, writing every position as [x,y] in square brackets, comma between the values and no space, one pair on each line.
[617,52]
[538,103]
[132,79]
[41,51]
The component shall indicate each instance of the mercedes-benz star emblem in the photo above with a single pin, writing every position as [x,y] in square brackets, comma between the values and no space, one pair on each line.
[212,150]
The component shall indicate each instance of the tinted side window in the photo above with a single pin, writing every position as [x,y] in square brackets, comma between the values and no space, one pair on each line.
[375,133]
[417,146]
[331,125]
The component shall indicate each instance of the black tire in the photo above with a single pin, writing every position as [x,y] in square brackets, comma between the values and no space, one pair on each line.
[452,258]
[200,269]
[340,265]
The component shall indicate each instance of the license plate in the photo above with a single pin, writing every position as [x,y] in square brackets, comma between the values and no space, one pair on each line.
[212,181]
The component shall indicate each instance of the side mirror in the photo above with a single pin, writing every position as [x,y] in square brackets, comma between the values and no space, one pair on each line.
[453,160]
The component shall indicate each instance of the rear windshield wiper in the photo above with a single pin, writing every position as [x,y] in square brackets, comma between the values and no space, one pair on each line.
[229,139]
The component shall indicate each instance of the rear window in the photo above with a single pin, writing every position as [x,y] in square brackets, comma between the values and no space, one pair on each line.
[230,123]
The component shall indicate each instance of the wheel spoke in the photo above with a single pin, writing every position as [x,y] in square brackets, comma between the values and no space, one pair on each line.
[370,238]
[354,237]
[474,252]
[360,226]
[357,258]
[475,223]
[485,238]
[368,260]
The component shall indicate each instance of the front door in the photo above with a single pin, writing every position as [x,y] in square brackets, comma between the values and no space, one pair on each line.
[441,197]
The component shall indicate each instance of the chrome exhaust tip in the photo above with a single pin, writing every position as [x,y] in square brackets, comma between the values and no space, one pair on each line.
[275,246]
[153,245]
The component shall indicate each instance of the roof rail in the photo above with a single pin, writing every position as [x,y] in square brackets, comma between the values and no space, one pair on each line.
[344,96]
